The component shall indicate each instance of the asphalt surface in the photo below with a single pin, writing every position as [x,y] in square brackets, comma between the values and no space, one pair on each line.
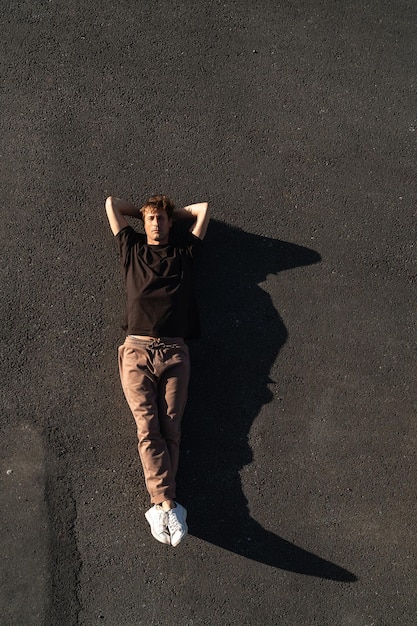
[297,121]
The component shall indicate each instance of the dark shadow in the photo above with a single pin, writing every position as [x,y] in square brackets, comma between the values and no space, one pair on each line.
[242,336]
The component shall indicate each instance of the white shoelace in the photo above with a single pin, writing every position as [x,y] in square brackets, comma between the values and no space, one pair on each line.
[173,522]
[162,522]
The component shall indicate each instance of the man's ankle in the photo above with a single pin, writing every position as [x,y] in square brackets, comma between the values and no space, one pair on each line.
[167,505]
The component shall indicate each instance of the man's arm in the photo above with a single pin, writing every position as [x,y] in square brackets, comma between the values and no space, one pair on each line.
[200,212]
[116,209]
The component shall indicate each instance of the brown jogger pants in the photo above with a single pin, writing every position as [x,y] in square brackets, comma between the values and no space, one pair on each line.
[154,376]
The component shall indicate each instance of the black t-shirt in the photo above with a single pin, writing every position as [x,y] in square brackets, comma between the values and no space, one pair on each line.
[159,285]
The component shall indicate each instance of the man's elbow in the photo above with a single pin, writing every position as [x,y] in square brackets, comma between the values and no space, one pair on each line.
[203,214]
[108,204]
[205,209]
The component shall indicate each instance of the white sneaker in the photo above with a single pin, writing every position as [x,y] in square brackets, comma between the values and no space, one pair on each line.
[177,525]
[158,521]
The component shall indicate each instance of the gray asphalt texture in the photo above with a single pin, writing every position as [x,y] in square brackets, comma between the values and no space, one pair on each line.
[297,121]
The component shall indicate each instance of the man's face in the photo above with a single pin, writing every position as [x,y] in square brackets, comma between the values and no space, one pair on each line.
[157,225]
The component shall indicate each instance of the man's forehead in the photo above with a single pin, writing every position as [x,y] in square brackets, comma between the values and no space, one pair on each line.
[150,210]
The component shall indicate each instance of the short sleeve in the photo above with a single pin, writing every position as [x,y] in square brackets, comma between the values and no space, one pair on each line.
[195,244]
[187,241]
[128,239]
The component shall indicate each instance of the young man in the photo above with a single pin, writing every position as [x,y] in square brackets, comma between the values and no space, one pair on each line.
[154,364]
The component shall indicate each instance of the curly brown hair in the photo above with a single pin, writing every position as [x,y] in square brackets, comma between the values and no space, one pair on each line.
[157,203]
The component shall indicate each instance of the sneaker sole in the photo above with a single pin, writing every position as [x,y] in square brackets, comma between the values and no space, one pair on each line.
[174,545]
[154,535]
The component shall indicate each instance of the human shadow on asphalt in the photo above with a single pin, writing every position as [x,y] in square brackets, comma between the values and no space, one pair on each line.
[242,336]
